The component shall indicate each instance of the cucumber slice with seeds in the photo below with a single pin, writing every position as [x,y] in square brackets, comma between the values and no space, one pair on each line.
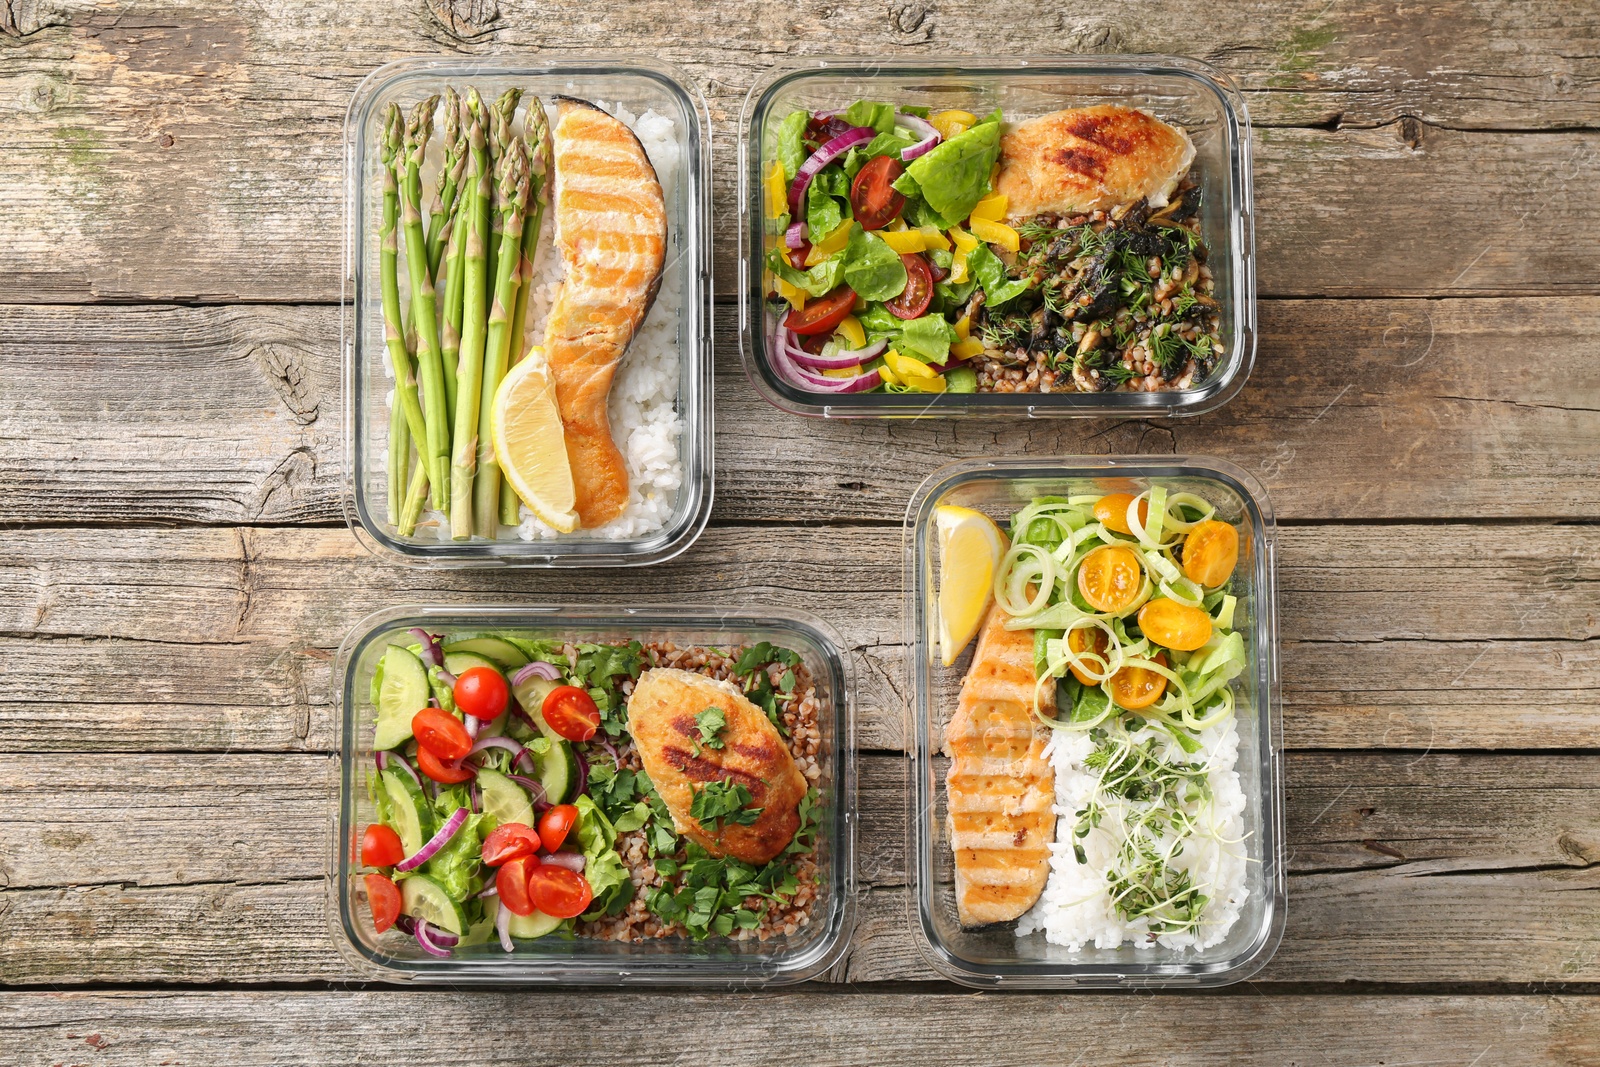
[402,691]
[412,814]
[423,898]
[503,653]
[528,927]
[505,799]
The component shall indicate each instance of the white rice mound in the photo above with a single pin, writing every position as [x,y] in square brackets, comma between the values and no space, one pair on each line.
[643,403]
[1075,908]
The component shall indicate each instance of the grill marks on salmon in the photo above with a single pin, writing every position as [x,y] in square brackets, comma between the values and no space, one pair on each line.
[1000,786]
[1090,158]
[611,231]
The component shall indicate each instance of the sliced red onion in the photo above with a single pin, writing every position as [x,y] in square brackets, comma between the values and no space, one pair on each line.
[393,761]
[572,861]
[537,669]
[822,157]
[475,797]
[483,744]
[516,709]
[405,924]
[535,789]
[435,942]
[840,360]
[611,750]
[795,375]
[583,772]
[924,129]
[795,235]
[502,926]
[472,724]
[490,891]
[432,652]
[447,678]
[438,841]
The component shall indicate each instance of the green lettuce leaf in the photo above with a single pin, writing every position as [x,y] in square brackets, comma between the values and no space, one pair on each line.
[928,339]
[817,281]
[459,865]
[998,289]
[827,202]
[879,116]
[602,866]
[792,143]
[954,176]
[871,267]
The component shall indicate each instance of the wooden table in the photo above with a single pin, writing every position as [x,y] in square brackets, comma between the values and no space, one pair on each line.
[176,570]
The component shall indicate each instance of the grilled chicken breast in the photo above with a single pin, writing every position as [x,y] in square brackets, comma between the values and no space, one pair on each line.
[1091,158]
[611,230]
[661,718]
[1000,786]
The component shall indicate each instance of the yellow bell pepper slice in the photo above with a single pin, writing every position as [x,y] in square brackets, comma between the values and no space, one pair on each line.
[830,244]
[843,372]
[991,207]
[964,243]
[933,238]
[936,384]
[904,241]
[996,233]
[850,329]
[792,293]
[889,377]
[967,348]
[964,327]
[777,190]
[906,368]
[950,123]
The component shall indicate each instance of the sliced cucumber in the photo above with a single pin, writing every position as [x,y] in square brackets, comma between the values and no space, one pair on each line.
[558,771]
[528,927]
[505,799]
[459,663]
[423,898]
[402,692]
[413,815]
[506,656]
[530,694]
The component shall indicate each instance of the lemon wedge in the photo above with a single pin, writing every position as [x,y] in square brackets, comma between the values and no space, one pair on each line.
[970,548]
[530,445]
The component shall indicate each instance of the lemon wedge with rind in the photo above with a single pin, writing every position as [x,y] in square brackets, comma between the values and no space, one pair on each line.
[970,549]
[530,445]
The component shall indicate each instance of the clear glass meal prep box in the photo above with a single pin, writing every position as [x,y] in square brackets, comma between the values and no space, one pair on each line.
[393,956]
[995,957]
[637,84]
[1182,91]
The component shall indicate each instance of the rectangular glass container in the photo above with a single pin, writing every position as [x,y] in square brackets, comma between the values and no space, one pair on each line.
[637,84]
[716,961]
[1182,91]
[996,957]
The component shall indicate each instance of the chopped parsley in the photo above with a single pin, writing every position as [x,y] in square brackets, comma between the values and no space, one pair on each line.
[710,723]
[752,670]
[718,803]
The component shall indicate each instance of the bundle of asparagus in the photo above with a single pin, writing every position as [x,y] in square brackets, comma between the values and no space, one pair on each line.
[470,272]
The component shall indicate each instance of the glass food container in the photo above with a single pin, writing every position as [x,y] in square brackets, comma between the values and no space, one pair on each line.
[995,957]
[673,350]
[1183,91]
[716,961]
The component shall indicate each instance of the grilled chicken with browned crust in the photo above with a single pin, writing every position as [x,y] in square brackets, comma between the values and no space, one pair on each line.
[1090,158]
[747,751]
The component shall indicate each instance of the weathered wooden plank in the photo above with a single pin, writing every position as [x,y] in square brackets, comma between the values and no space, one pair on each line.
[132,176]
[216,639]
[1355,410]
[800,1028]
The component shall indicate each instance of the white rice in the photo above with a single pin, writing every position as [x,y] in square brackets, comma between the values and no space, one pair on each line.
[1075,908]
[644,395]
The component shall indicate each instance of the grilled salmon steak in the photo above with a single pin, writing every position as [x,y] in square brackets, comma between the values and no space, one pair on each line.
[1090,158]
[1001,786]
[611,230]
[681,760]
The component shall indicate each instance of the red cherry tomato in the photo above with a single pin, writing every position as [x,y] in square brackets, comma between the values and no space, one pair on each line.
[511,882]
[914,299]
[555,824]
[441,733]
[873,196]
[482,693]
[559,892]
[797,256]
[571,712]
[440,771]
[512,841]
[384,898]
[381,847]
[822,314]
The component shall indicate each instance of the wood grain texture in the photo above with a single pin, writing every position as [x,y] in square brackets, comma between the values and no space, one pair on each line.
[348,1027]
[1355,410]
[196,153]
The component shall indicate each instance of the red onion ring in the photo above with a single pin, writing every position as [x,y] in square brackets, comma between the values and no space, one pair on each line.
[572,861]
[583,771]
[822,157]
[537,669]
[502,926]
[389,760]
[432,652]
[433,941]
[795,235]
[457,820]
[795,375]
[924,129]
[541,803]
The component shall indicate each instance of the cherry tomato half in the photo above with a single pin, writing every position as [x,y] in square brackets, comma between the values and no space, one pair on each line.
[1210,553]
[1135,687]
[822,314]
[1175,625]
[873,196]
[1110,578]
[441,771]
[441,733]
[381,847]
[559,892]
[384,898]
[1112,511]
[797,256]
[511,882]
[555,824]
[914,299]
[571,712]
[1087,639]
[482,693]
[511,841]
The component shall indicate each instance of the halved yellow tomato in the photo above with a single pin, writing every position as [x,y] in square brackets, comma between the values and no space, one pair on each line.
[1112,511]
[1174,625]
[1135,687]
[1110,578]
[1210,553]
[1086,639]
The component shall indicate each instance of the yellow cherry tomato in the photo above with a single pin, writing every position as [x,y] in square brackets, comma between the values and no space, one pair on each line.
[1111,511]
[1086,639]
[1210,553]
[1174,625]
[1110,578]
[1135,687]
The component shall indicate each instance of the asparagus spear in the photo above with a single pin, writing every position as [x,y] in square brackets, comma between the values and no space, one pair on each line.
[452,267]
[511,205]
[415,495]
[431,364]
[442,212]
[505,107]
[539,151]
[475,298]
[410,425]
